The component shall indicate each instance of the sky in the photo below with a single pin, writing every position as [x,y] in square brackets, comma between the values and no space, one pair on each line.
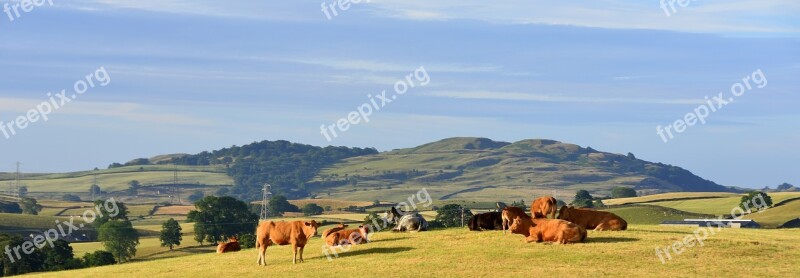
[174,76]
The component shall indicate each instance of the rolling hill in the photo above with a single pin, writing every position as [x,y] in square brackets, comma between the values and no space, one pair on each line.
[476,168]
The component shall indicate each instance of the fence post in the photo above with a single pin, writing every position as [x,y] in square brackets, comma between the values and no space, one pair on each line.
[462,217]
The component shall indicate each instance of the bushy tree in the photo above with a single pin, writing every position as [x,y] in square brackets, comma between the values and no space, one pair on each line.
[60,257]
[98,258]
[376,223]
[278,204]
[71,198]
[247,240]
[312,209]
[25,263]
[583,199]
[110,210]
[30,206]
[623,192]
[171,233]
[217,218]
[195,196]
[133,187]
[95,189]
[120,239]
[755,200]
[451,215]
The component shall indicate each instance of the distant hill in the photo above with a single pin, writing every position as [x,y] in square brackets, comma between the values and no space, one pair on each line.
[461,164]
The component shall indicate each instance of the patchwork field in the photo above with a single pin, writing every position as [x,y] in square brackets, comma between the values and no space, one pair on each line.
[460,253]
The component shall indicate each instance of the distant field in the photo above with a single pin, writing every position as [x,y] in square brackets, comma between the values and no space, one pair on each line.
[718,206]
[460,253]
[652,215]
[173,210]
[666,196]
[776,216]
[118,178]
[333,203]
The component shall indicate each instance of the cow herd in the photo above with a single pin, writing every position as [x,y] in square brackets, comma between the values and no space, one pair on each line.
[569,227]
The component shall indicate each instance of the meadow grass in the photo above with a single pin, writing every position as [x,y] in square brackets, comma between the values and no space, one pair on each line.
[666,197]
[119,181]
[460,253]
[777,216]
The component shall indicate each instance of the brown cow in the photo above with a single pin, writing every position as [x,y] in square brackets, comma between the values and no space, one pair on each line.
[553,230]
[232,246]
[330,236]
[296,233]
[593,219]
[543,207]
[349,236]
[508,215]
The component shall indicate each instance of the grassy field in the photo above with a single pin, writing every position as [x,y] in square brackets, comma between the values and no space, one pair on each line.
[118,178]
[13,222]
[653,215]
[460,253]
[666,197]
[718,206]
[776,216]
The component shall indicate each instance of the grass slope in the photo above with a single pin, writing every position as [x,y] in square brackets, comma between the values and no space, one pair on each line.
[774,217]
[455,167]
[667,197]
[719,206]
[652,215]
[459,253]
[118,178]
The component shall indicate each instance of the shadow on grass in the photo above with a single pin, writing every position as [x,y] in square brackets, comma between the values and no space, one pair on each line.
[380,250]
[663,232]
[610,239]
[389,239]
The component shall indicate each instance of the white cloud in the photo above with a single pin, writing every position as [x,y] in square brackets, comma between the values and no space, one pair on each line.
[556,98]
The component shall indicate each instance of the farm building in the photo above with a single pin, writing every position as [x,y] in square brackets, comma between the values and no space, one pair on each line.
[725,223]
[791,224]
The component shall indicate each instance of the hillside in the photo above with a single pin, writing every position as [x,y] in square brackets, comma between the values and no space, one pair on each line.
[474,168]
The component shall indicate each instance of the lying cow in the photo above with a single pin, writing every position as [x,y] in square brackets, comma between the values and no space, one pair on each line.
[231,246]
[543,207]
[552,230]
[508,214]
[330,231]
[486,221]
[349,236]
[296,233]
[406,221]
[593,219]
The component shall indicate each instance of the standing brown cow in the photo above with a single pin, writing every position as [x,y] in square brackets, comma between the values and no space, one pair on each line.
[232,246]
[553,230]
[593,219]
[543,207]
[508,215]
[296,233]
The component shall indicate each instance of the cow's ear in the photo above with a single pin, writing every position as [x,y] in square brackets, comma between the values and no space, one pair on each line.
[308,224]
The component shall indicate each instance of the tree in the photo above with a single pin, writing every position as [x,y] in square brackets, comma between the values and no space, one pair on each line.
[247,240]
[120,239]
[98,258]
[95,190]
[133,187]
[755,200]
[25,263]
[71,198]
[60,257]
[10,207]
[598,204]
[520,204]
[451,215]
[583,199]
[23,190]
[109,210]
[623,192]
[171,234]
[376,222]
[278,204]
[217,218]
[30,206]
[196,195]
[312,209]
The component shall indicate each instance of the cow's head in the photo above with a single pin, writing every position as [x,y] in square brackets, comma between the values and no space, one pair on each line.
[364,230]
[233,239]
[518,226]
[391,216]
[342,226]
[310,228]
[563,214]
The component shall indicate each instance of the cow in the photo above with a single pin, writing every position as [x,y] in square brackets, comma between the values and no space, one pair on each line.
[231,246]
[486,221]
[349,236]
[330,235]
[407,221]
[552,230]
[592,219]
[543,207]
[296,233]
[508,215]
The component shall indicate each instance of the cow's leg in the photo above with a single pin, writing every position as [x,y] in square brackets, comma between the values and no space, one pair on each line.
[601,227]
[262,254]
[301,254]
[294,251]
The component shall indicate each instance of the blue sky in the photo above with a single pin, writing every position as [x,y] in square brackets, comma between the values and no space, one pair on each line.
[189,76]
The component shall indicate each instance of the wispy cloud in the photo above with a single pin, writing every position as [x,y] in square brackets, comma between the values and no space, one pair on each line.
[556,98]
